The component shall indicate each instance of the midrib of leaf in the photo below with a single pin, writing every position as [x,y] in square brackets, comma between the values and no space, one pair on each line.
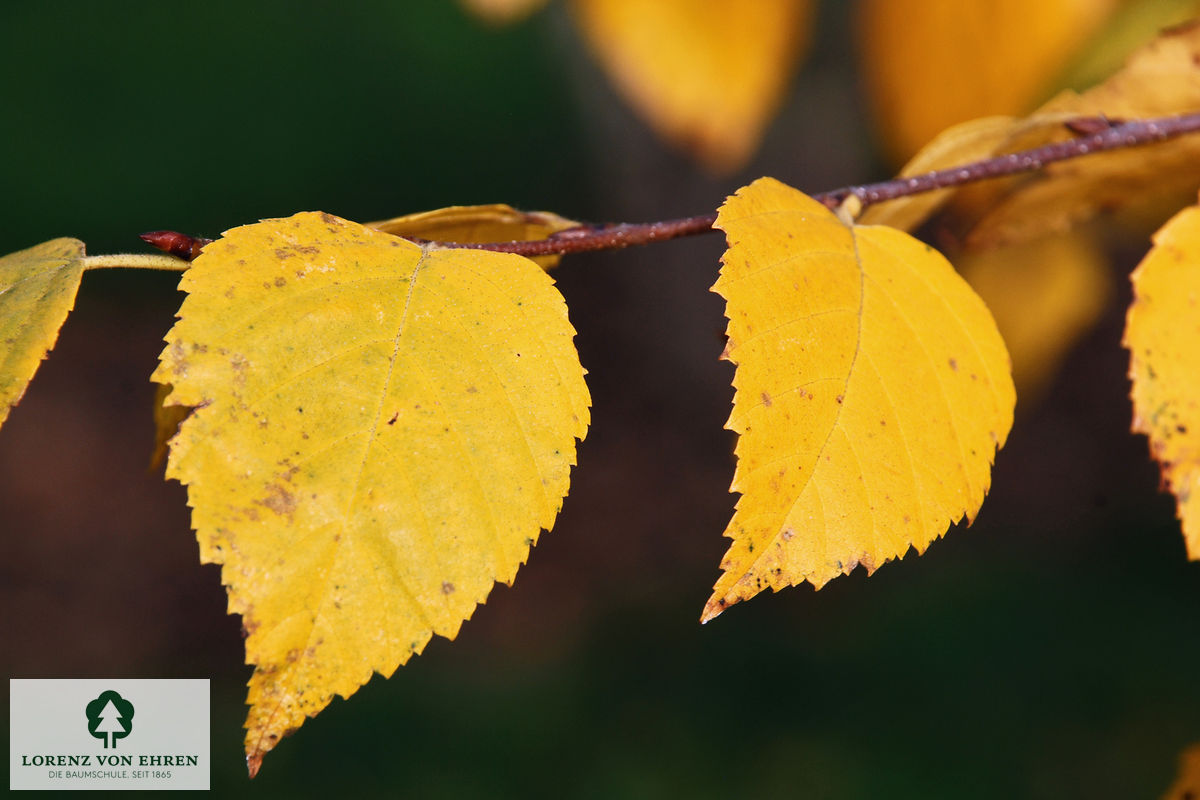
[370,442]
[858,313]
[323,595]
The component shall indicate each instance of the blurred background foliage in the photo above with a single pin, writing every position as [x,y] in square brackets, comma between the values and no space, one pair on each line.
[1048,651]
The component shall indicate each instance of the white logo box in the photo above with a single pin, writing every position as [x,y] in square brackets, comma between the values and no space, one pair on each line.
[122,733]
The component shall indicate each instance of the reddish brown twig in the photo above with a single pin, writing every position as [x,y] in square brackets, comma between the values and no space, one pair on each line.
[1099,135]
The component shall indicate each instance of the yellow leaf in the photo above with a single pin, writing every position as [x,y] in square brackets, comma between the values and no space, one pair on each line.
[381,432]
[1187,782]
[1160,79]
[1162,332]
[37,291]
[707,75]
[961,144]
[502,12]
[471,224]
[1131,25]
[872,391]
[1044,295]
[929,64]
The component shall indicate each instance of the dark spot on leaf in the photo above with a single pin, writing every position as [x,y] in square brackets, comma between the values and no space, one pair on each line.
[787,534]
[954,364]
[279,500]
[395,416]
[447,587]
[840,398]
[766,399]
[472,390]
[280,281]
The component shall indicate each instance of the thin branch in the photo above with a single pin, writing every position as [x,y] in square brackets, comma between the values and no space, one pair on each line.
[1099,135]
[1113,137]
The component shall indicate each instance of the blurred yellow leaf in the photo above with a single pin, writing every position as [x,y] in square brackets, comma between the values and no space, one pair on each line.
[471,224]
[1044,295]
[929,64]
[872,391]
[1160,79]
[707,75]
[381,432]
[1187,782]
[501,12]
[1131,25]
[961,144]
[37,291]
[1162,332]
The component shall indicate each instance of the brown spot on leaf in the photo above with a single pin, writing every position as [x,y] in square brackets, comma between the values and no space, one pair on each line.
[279,500]
[447,587]
[954,364]
[395,417]
[788,534]
[766,399]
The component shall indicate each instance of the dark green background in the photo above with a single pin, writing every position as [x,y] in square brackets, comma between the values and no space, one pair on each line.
[1050,651]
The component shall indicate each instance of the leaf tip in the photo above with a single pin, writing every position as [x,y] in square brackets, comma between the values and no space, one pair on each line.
[713,608]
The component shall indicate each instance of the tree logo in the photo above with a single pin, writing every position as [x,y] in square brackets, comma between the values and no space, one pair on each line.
[110,717]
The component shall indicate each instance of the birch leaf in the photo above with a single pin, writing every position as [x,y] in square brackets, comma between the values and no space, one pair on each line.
[489,223]
[707,75]
[872,391]
[1162,332]
[961,144]
[381,432]
[37,291]
[930,64]
[1160,79]
[502,12]
[1044,294]
[1187,782]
